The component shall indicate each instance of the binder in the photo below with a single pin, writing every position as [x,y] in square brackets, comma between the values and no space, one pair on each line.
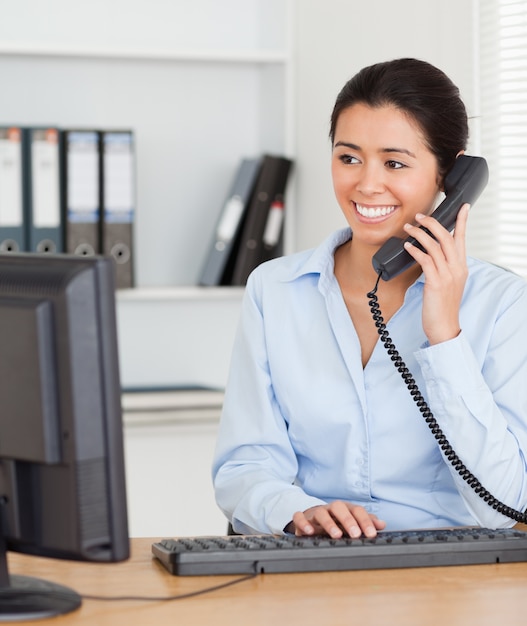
[269,190]
[12,235]
[41,175]
[118,202]
[219,263]
[80,189]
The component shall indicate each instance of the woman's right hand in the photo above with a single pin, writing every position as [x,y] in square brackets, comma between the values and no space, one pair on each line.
[336,519]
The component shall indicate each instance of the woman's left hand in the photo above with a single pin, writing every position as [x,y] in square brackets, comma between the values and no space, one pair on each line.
[445,269]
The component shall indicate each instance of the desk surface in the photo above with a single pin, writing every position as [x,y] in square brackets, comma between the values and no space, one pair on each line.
[478,594]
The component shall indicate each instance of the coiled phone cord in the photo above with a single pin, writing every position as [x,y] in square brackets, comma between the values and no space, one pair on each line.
[442,441]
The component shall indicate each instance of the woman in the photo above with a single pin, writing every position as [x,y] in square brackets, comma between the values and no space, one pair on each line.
[319,433]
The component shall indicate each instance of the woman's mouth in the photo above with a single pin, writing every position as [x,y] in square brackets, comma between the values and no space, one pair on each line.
[374,212]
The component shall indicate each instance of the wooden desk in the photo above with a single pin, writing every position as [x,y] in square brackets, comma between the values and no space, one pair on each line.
[479,594]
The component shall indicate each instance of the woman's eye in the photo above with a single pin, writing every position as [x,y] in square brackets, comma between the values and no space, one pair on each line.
[347,159]
[395,165]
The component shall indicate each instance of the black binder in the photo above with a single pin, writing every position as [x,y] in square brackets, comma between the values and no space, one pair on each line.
[12,235]
[41,175]
[269,189]
[118,202]
[219,263]
[80,188]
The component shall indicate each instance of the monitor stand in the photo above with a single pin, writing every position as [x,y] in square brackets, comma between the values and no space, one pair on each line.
[29,598]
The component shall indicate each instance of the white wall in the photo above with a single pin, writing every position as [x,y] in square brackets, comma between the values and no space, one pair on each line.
[149,25]
[333,40]
[165,341]
[169,487]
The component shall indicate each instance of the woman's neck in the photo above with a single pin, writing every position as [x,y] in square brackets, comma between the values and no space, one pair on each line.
[356,275]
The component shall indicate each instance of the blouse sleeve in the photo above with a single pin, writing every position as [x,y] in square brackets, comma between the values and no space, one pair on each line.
[477,392]
[254,465]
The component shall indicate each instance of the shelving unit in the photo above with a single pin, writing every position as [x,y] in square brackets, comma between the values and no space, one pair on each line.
[202,84]
[202,87]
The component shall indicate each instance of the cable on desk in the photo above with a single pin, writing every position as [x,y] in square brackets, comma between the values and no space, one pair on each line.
[7,592]
[182,596]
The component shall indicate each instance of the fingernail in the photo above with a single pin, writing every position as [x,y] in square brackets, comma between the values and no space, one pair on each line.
[354,531]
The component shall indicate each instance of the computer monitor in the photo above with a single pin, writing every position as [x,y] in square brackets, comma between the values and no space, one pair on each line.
[62,479]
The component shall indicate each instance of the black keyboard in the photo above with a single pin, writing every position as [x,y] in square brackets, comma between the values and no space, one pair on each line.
[245,554]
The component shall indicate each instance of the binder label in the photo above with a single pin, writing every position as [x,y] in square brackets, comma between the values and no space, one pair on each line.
[45,165]
[232,213]
[83,177]
[118,178]
[273,226]
[11,208]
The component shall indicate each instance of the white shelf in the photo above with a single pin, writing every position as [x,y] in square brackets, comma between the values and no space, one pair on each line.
[179,406]
[180,294]
[28,49]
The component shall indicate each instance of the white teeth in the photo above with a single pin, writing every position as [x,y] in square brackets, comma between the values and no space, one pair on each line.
[374,212]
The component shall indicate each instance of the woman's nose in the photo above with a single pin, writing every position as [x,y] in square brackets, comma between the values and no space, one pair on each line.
[371,180]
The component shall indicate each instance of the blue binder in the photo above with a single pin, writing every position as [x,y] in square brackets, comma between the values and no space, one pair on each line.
[42,210]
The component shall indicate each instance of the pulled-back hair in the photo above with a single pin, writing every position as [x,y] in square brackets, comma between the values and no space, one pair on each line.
[420,90]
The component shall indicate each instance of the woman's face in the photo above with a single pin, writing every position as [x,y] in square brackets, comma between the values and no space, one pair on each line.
[383,172]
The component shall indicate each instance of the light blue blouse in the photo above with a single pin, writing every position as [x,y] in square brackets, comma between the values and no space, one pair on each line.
[303,423]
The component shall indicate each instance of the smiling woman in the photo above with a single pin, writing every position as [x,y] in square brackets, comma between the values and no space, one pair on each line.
[319,434]
[380,187]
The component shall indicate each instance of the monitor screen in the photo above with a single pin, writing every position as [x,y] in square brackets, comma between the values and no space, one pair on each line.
[62,480]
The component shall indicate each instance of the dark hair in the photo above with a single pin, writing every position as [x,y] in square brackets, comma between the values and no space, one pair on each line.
[420,90]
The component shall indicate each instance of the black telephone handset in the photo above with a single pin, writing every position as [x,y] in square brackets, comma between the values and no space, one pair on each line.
[463,183]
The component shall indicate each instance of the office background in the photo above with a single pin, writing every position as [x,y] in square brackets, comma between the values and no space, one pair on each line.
[204,83]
